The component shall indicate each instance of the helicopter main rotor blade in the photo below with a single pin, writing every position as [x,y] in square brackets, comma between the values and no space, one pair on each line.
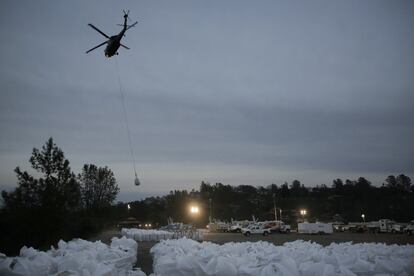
[133,25]
[97,46]
[99,31]
[125,47]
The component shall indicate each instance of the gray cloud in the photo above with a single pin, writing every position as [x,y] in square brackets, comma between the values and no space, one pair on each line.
[235,91]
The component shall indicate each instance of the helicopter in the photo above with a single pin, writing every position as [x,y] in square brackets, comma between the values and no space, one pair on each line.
[113,42]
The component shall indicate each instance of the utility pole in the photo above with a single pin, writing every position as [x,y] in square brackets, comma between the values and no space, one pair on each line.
[210,218]
[274,206]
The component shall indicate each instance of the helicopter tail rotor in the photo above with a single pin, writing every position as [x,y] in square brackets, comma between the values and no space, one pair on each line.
[126,16]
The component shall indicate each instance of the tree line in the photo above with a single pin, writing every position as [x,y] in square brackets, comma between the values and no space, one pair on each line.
[53,203]
[342,201]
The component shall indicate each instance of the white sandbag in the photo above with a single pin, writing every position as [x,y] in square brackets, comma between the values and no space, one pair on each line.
[158,235]
[179,257]
[76,257]
[219,265]
[274,269]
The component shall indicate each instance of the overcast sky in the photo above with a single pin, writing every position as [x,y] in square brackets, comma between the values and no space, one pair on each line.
[238,92]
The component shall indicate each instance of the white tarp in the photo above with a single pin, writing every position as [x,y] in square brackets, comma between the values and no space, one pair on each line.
[300,258]
[76,257]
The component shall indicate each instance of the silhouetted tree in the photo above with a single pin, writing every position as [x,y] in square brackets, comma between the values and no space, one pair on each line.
[98,186]
[57,189]
[391,181]
[295,187]
[403,182]
[41,209]
[338,186]
[284,190]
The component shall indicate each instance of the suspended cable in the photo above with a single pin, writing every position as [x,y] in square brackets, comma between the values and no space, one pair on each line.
[126,122]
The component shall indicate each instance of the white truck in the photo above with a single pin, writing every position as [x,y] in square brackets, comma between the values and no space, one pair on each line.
[236,226]
[276,226]
[386,226]
[285,228]
[218,226]
[410,228]
[255,229]
[397,228]
[315,228]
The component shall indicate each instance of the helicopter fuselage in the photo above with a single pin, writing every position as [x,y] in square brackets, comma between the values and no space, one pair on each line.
[114,43]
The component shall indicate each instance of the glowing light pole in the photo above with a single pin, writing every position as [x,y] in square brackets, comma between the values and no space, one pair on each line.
[303,213]
[363,217]
[194,210]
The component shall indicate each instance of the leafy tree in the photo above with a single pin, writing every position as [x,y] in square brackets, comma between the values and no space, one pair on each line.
[295,185]
[391,181]
[57,189]
[338,185]
[403,182]
[98,186]
[284,190]
[362,184]
[41,210]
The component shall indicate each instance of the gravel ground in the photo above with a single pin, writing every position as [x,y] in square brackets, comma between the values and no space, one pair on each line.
[144,258]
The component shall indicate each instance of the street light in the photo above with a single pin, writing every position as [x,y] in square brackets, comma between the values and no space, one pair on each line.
[194,210]
[363,217]
[303,213]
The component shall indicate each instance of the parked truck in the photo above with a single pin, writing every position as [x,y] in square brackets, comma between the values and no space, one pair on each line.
[398,228]
[277,226]
[237,225]
[257,228]
[218,226]
[386,226]
[410,228]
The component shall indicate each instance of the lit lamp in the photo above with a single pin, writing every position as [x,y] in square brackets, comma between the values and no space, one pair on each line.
[194,210]
[303,213]
[129,207]
[363,217]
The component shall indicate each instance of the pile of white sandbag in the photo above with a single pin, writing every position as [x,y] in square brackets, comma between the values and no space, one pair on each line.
[76,257]
[146,235]
[188,257]
[158,235]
